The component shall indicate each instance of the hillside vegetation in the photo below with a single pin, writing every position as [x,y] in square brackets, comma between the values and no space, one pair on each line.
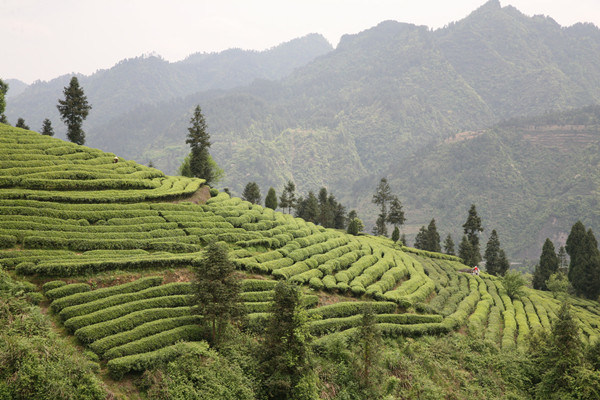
[109,246]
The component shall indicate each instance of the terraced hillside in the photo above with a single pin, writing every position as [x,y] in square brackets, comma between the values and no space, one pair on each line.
[70,217]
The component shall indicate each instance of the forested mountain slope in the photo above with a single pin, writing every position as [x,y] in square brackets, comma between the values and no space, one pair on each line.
[151,80]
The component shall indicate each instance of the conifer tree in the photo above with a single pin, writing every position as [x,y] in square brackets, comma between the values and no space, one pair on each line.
[288,197]
[216,291]
[584,268]
[465,251]
[271,199]
[562,259]
[491,254]
[382,196]
[251,193]
[547,266]
[308,208]
[199,140]
[396,234]
[432,242]
[396,214]
[285,364]
[355,226]
[21,124]
[47,129]
[421,238]
[472,227]
[503,263]
[74,110]
[449,245]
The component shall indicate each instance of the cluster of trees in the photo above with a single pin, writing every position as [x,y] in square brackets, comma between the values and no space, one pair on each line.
[429,238]
[583,272]
[384,198]
[284,357]
[323,209]
[73,111]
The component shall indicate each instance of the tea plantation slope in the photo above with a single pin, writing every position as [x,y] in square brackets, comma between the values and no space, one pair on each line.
[83,230]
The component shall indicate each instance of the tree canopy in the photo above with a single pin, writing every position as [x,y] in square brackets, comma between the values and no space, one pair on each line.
[74,110]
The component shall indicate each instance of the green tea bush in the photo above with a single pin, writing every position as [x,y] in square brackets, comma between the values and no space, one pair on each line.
[113,312]
[157,341]
[52,285]
[87,297]
[67,290]
[127,322]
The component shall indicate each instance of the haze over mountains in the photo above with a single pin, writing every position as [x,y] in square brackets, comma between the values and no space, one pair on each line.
[380,104]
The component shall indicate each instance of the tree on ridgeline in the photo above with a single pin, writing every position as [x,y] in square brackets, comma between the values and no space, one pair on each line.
[382,196]
[216,291]
[288,197]
[3,90]
[403,239]
[21,124]
[421,238]
[199,140]
[271,199]
[47,129]
[449,245]
[491,254]
[285,364]
[396,214]
[251,193]
[547,266]
[396,235]
[432,242]
[307,207]
[355,226]
[472,227]
[584,267]
[74,110]
[325,209]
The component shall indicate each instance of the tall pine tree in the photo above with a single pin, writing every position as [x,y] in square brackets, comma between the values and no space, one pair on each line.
[449,245]
[382,196]
[433,238]
[547,266]
[251,193]
[472,227]
[74,110]
[199,140]
[584,268]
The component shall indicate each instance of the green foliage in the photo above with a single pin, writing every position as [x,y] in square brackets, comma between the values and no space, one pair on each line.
[47,128]
[558,284]
[584,268]
[495,258]
[271,199]
[471,228]
[449,245]
[3,90]
[513,283]
[285,365]
[74,110]
[216,291]
[67,290]
[288,197]
[21,124]
[547,266]
[251,193]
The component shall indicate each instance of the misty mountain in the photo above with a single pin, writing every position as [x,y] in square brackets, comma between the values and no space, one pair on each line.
[152,80]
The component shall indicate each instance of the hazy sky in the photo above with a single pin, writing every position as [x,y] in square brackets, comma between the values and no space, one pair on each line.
[42,39]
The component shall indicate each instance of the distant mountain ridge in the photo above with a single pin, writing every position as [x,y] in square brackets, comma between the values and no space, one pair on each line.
[377,105]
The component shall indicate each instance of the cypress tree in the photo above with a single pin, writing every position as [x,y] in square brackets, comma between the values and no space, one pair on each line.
[491,254]
[383,194]
[396,214]
[547,266]
[449,245]
[584,268]
[199,140]
[432,242]
[288,197]
[396,234]
[21,124]
[421,239]
[74,110]
[472,227]
[271,199]
[308,208]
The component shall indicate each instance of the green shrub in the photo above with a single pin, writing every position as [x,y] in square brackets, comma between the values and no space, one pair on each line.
[214,192]
[7,241]
[52,285]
